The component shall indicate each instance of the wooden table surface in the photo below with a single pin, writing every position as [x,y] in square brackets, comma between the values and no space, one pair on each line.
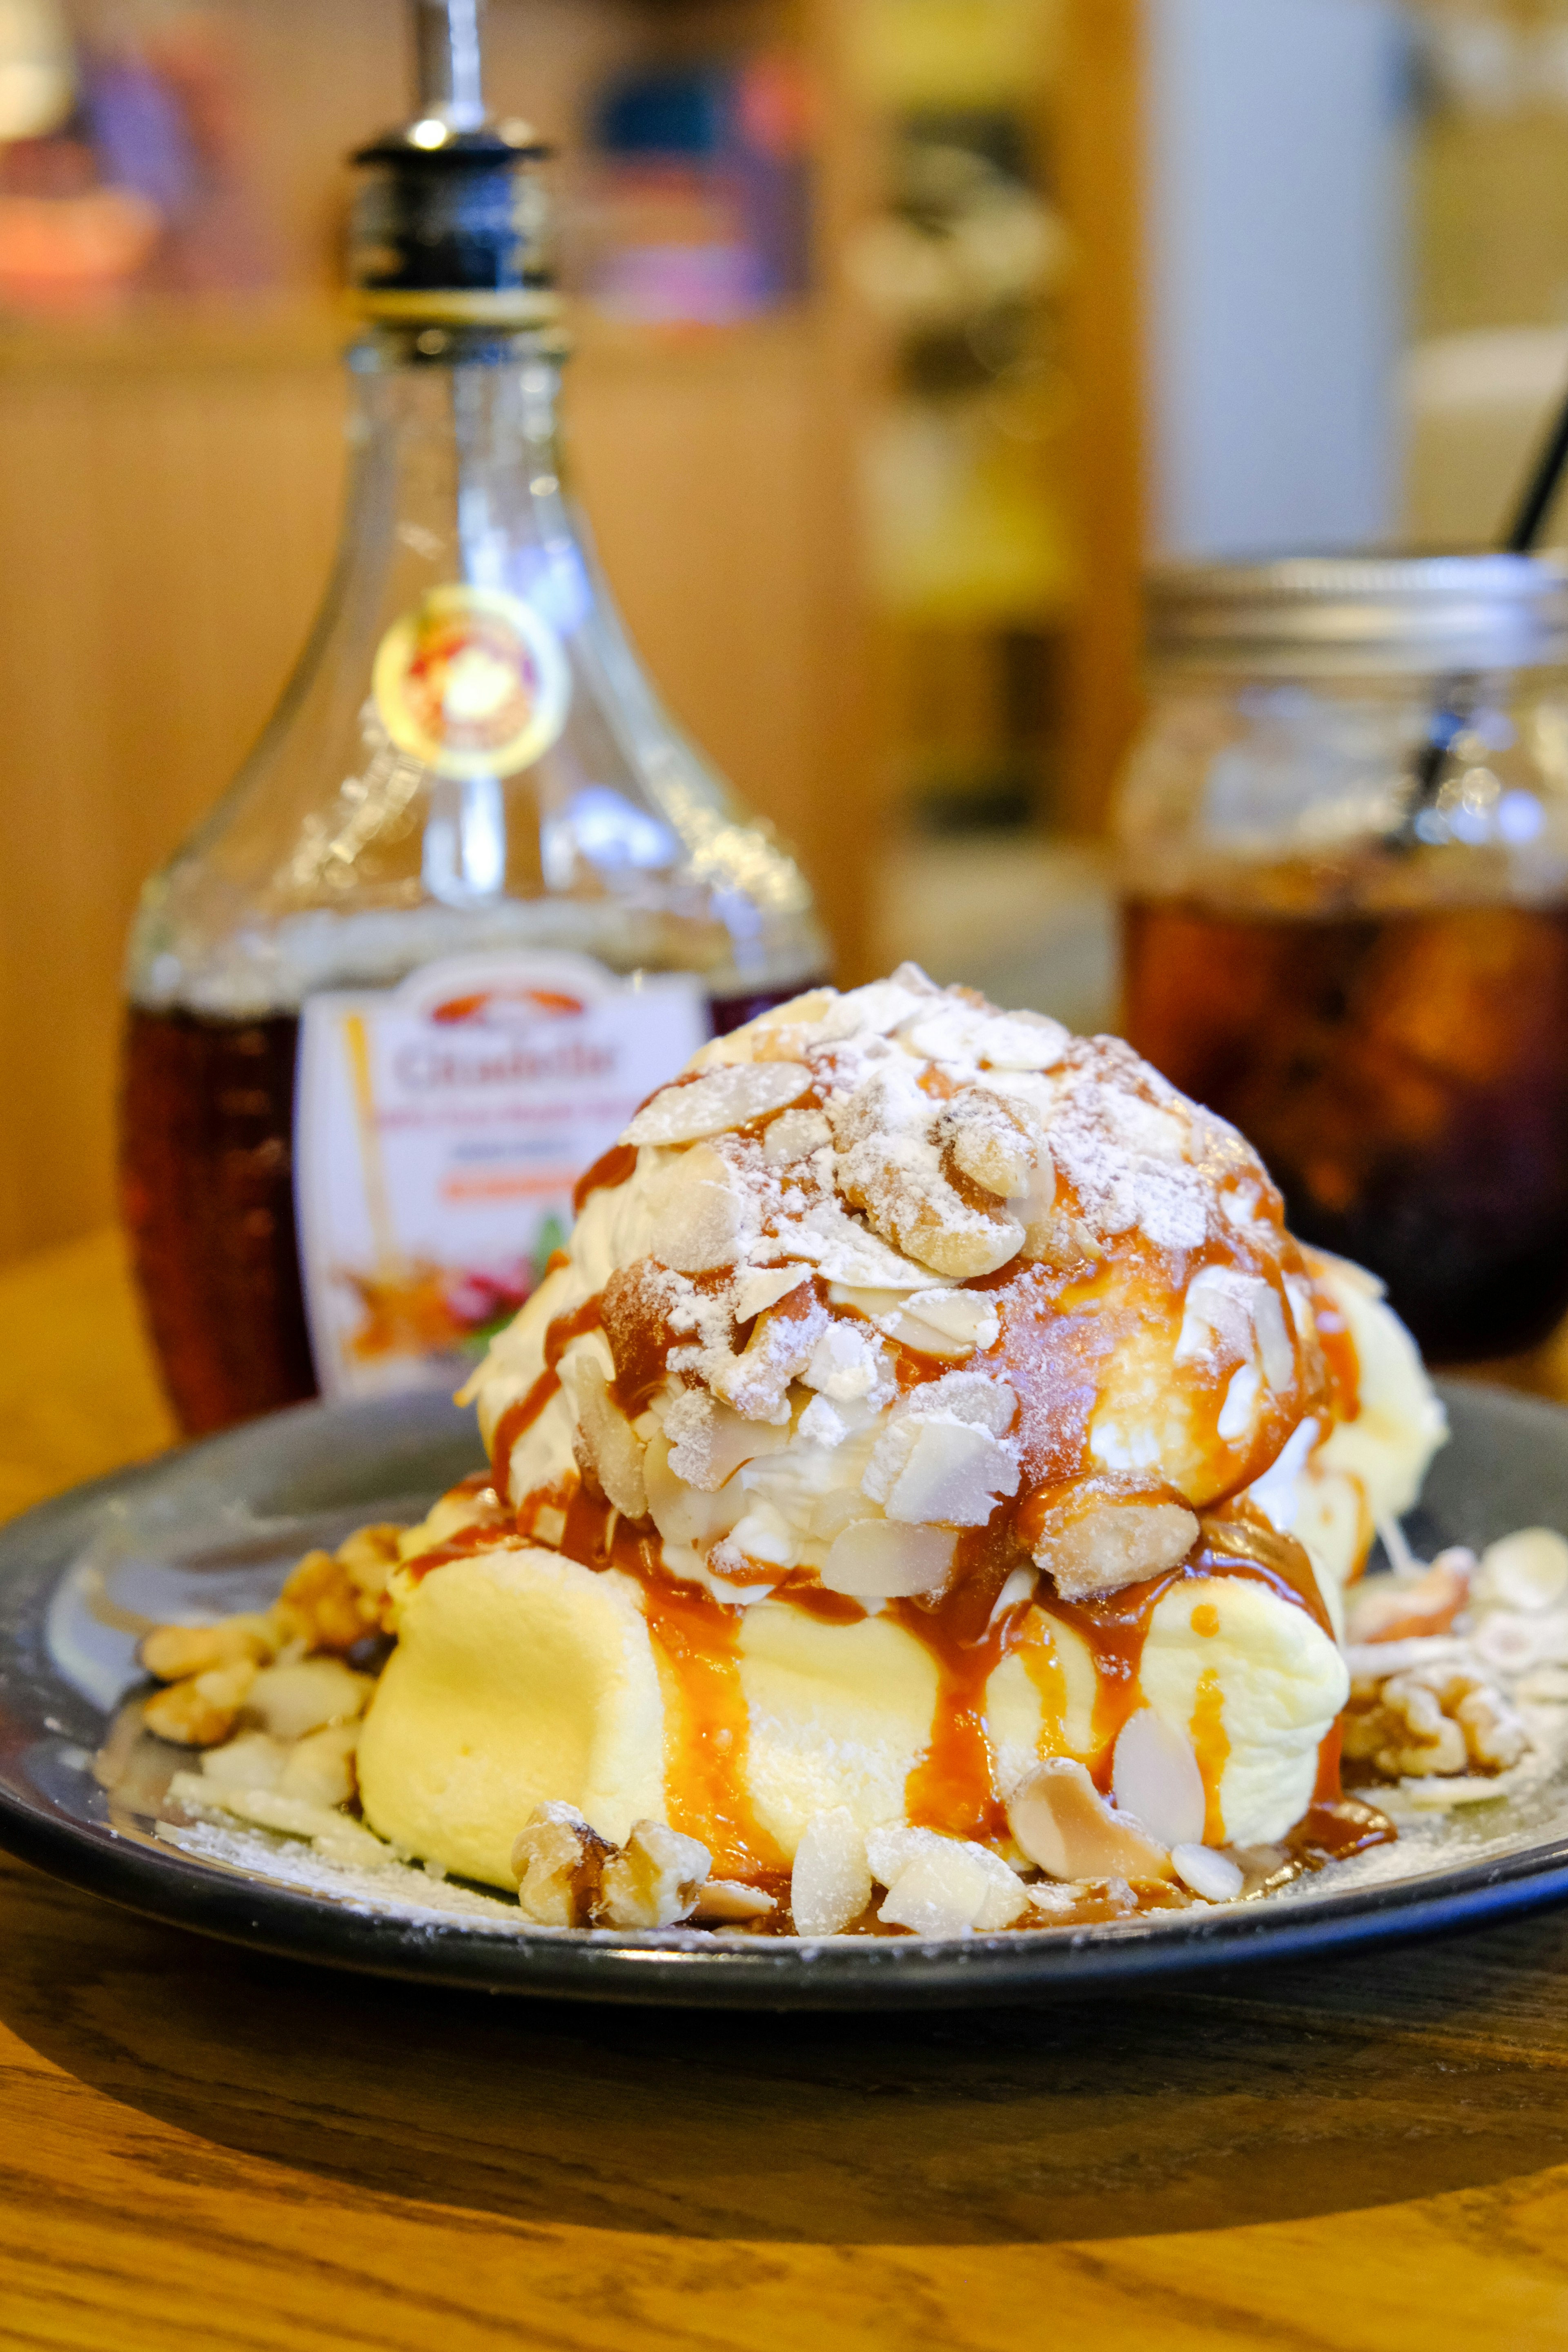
[202,2149]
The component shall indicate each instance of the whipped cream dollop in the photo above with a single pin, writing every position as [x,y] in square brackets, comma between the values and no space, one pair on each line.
[891,1288]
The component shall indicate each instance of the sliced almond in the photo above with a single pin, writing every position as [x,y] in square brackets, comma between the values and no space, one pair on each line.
[723,1100]
[730,1902]
[1213,1875]
[1528,1570]
[880,1560]
[1063,1823]
[320,1767]
[708,1442]
[947,1889]
[700,1213]
[759,1288]
[1155,1779]
[685,1514]
[252,1760]
[612,1446]
[941,1472]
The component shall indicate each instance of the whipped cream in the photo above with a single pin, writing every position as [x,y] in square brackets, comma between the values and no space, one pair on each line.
[904,1258]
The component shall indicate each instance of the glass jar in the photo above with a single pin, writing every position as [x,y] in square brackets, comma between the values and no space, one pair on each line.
[1343,856]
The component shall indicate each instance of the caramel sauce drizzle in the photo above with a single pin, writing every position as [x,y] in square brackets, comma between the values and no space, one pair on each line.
[1057,1334]
[493,1529]
[612,1168]
[1211,1746]
[707,1729]
[1336,1826]
[519,1418]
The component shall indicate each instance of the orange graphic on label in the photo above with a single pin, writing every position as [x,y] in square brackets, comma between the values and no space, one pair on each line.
[472,682]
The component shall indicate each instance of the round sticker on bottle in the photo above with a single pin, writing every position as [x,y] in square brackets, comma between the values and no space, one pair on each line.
[472,682]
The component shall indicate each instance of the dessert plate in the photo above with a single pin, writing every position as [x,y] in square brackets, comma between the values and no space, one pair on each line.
[217,1526]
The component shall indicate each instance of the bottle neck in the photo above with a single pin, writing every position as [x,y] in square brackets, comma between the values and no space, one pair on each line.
[457,460]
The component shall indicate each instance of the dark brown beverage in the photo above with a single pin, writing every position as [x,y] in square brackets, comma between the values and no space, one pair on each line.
[207,1183]
[1406,1078]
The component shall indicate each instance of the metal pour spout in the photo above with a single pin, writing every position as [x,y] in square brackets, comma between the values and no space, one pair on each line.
[448,64]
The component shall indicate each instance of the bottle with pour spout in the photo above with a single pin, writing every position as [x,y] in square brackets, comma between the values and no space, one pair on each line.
[472,897]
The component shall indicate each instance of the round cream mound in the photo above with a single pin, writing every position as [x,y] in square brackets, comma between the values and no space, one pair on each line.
[945,1168]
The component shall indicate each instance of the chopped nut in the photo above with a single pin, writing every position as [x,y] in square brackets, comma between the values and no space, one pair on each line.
[654,1881]
[1091,1541]
[831,1880]
[991,1142]
[947,1887]
[320,1767]
[1439,1719]
[293,1699]
[252,1760]
[894,1167]
[173,1651]
[1063,1823]
[202,1711]
[1389,1610]
[322,1606]
[370,1554]
[559,1858]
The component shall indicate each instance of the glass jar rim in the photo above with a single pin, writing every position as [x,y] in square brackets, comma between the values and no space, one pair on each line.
[1435,614]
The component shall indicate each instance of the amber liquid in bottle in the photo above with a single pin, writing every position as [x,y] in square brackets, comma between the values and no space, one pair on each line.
[1406,1078]
[208,1197]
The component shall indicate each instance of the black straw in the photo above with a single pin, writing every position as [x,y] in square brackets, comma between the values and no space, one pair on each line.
[1541,489]
[1450,719]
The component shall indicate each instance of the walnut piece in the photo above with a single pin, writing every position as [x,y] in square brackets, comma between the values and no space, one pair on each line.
[332,1601]
[1438,1718]
[175,1652]
[654,1881]
[559,1858]
[203,1710]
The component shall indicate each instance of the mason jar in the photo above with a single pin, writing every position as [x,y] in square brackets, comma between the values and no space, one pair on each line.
[1343,858]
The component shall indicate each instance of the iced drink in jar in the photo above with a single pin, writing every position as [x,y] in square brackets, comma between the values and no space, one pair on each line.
[1370,976]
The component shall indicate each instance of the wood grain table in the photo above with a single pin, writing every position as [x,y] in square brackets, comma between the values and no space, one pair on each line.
[200,2149]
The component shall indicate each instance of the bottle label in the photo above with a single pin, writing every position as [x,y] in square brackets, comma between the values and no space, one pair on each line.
[472,682]
[439,1129]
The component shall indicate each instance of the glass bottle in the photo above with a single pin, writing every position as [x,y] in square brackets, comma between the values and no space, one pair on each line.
[1343,847]
[472,897]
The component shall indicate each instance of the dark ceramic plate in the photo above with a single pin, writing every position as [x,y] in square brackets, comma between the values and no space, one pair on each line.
[216,1528]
